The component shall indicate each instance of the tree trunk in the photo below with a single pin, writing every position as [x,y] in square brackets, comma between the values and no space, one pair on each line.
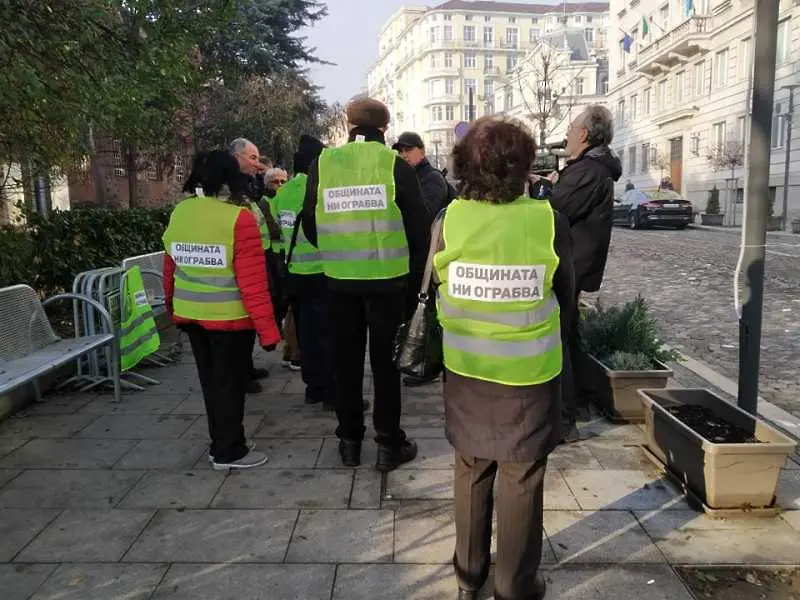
[133,176]
[98,183]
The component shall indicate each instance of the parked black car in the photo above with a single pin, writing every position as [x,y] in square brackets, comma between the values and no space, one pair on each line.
[639,209]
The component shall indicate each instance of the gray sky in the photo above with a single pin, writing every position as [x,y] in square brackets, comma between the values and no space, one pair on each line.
[348,36]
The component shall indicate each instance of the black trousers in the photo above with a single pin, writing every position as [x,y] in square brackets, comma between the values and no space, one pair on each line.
[222,364]
[576,390]
[315,337]
[353,317]
[520,506]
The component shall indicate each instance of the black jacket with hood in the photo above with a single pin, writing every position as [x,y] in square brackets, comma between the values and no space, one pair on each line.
[584,193]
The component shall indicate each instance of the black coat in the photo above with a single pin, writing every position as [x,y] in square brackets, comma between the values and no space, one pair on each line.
[584,194]
[435,189]
[512,423]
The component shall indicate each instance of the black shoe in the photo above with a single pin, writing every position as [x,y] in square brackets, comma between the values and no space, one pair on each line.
[539,588]
[350,453]
[312,398]
[259,374]
[467,594]
[391,457]
[254,387]
[413,381]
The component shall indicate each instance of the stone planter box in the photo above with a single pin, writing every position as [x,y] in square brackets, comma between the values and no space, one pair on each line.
[723,476]
[774,223]
[617,392]
[716,220]
[796,226]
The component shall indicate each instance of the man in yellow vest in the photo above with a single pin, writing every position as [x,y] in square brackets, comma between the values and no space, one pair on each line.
[364,211]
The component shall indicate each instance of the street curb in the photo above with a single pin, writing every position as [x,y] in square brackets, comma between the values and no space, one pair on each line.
[738,231]
[783,420]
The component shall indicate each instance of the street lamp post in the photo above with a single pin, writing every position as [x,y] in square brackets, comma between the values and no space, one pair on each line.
[788,118]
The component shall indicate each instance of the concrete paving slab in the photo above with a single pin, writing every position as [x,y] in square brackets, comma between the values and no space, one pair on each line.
[425,532]
[654,582]
[423,426]
[619,455]
[101,582]
[160,404]
[572,456]
[289,454]
[599,537]
[313,425]
[58,404]
[72,453]
[67,488]
[46,426]
[791,465]
[247,582]
[199,429]
[164,454]
[18,582]
[788,491]
[7,475]
[792,518]
[8,445]
[138,427]
[622,490]
[329,456]
[87,536]
[296,488]
[395,582]
[336,536]
[366,489]
[689,538]
[192,405]
[210,536]
[419,484]
[557,495]
[186,489]
[601,427]
[18,527]
[433,454]
[422,404]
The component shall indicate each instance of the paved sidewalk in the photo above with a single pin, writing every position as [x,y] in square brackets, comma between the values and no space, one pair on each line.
[105,502]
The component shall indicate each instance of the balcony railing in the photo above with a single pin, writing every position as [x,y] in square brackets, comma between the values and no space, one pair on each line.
[693,27]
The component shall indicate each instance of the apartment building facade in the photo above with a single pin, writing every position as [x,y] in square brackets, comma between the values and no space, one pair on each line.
[439,66]
[681,77]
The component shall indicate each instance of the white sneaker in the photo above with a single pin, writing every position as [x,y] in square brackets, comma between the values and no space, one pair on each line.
[248,461]
[251,445]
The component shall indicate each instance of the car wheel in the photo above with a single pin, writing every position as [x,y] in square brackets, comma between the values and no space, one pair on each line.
[633,220]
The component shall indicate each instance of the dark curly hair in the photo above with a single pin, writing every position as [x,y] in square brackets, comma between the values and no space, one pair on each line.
[493,161]
[213,170]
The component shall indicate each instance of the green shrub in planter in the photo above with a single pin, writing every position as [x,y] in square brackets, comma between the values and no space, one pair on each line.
[628,336]
[712,205]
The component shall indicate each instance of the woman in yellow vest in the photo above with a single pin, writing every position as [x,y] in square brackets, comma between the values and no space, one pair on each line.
[216,289]
[505,286]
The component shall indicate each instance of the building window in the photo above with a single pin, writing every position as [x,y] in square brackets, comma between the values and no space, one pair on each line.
[645,157]
[488,62]
[745,58]
[469,33]
[470,60]
[535,20]
[535,34]
[512,37]
[589,35]
[180,167]
[718,136]
[487,18]
[119,159]
[436,113]
[663,17]
[634,108]
[621,112]
[741,132]
[449,87]
[721,68]
[470,84]
[432,85]
[778,127]
[632,160]
[695,144]
[488,36]
[512,19]
[578,18]
[509,99]
[488,89]
[621,154]
[678,92]
[700,79]
[450,112]
[434,60]
[434,34]
[661,95]
[511,62]
[448,33]
[448,59]
[784,42]
[152,171]
[578,86]
[488,107]
[589,18]
[648,94]
[448,17]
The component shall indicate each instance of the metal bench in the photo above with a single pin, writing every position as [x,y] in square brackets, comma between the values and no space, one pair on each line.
[29,348]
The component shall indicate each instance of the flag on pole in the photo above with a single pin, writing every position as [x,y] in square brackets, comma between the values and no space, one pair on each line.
[645,26]
[688,7]
[627,43]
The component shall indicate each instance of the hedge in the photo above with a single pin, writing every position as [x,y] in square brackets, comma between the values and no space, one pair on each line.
[49,251]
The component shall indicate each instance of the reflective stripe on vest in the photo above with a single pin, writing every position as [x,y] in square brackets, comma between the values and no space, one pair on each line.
[499,314]
[286,206]
[359,225]
[263,228]
[138,335]
[200,240]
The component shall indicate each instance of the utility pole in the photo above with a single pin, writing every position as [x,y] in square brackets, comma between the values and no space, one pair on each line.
[471,116]
[754,230]
[789,118]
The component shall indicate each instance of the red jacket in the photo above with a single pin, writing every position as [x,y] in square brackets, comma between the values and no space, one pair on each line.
[250,269]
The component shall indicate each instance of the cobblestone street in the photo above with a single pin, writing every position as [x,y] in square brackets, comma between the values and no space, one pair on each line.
[688,277]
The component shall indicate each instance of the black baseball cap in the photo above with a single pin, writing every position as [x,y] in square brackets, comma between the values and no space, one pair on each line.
[408,139]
